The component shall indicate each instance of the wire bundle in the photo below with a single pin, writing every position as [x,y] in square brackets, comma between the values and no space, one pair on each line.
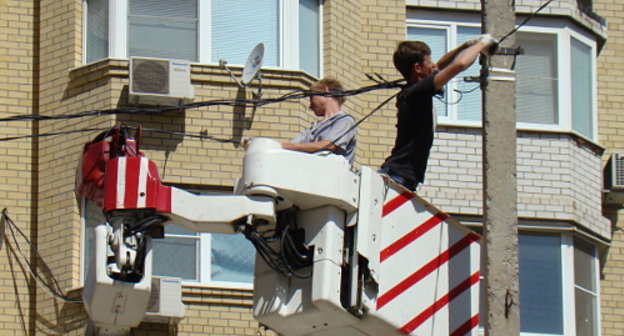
[292,254]
[54,289]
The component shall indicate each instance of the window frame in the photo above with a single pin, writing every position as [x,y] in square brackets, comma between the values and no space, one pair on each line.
[288,34]
[563,33]
[568,284]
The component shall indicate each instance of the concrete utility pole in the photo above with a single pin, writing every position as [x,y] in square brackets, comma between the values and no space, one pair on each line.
[502,301]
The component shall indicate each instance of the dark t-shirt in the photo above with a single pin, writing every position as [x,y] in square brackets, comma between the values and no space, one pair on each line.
[414,132]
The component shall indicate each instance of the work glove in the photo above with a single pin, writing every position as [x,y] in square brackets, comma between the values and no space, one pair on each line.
[477,39]
[489,45]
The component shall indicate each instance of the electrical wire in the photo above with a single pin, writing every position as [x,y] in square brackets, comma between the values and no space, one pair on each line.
[333,142]
[256,102]
[544,5]
[55,289]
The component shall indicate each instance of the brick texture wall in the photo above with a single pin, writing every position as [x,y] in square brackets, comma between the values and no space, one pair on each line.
[17,93]
[611,128]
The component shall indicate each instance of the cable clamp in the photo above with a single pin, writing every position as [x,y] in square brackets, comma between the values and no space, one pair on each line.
[502,74]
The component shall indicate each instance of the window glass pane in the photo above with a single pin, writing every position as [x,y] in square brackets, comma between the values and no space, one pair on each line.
[541,298]
[536,79]
[309,36]
[97,30]
[232,258]
[585,293]
[582,121]
[469,107]
[238,25]
[436,39]
[175,257]
[584,270]
[165,29]
[585,312]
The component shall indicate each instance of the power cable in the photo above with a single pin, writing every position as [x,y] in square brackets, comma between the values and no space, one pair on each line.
[55,289]
[293,95]
[544,5]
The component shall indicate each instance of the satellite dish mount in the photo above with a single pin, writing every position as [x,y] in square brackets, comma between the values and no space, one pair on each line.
[251,69]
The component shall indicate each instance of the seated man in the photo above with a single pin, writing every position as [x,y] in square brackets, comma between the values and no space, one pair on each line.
[333,132]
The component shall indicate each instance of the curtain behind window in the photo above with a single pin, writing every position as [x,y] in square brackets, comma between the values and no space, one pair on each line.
[239,25]
[469,107]
[176,255]
[163,29]
[232,258]
[541,292]
[536,79]
[97,30]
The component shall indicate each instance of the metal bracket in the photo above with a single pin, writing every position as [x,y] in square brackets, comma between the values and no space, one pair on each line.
[502,51]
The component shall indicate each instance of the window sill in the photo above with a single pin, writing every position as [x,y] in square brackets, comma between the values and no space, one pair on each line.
[202,74]
[580,140]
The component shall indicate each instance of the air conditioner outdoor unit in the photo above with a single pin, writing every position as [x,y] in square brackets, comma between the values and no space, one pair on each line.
[614,180]
[165,304]
[614,172]
[160,81]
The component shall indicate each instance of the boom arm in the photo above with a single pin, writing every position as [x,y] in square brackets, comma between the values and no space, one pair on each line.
[339,252]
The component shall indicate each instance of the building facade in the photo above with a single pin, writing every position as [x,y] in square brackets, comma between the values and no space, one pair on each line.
[64,57]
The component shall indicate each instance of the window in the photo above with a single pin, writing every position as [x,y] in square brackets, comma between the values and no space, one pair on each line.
[541,291]
[558,285]
[206,31]
[197,258]
[585,288]
[554,77]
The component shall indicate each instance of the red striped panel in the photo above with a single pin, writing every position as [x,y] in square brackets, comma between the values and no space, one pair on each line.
[441,303]
[412,236]
[110,185]
[425,270]
[466,327]
[131,178]
[396,202]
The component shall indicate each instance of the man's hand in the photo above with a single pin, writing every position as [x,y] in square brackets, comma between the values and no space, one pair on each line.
[477,39]
[245,141]
[489,45]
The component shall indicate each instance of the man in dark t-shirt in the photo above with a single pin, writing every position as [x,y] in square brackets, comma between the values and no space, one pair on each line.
[415,120]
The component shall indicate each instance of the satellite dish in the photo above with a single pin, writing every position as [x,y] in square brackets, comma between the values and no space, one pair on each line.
[254,63]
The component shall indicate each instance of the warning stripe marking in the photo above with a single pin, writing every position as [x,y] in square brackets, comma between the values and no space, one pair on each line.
[396,202]
[427,269]
[466,327]
[441,303]
[412,236]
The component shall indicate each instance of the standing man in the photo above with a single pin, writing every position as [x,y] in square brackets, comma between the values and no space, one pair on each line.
[333,132]
[415,120]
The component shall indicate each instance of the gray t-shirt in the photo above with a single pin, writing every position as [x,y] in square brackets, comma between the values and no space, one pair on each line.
[330,129]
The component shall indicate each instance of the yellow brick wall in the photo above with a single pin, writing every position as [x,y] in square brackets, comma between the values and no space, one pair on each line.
[17,63]
[383,26]
[611,130]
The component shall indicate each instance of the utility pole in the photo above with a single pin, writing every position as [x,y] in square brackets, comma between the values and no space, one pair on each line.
[502,301]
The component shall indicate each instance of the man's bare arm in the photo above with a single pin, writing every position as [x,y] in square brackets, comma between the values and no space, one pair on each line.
[460,62]
[310,147]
